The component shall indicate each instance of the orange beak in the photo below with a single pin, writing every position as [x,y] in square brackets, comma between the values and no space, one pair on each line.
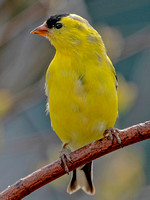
[41,30]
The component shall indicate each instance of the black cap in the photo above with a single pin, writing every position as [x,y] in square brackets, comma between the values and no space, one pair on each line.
[54,19]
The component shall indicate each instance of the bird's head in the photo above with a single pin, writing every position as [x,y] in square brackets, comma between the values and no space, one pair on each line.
[68,31]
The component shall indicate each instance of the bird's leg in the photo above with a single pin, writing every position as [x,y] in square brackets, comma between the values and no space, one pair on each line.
[113,132]
[63,156]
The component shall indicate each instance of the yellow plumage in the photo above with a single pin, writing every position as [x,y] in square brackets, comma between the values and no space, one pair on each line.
[81,82]
[81,85]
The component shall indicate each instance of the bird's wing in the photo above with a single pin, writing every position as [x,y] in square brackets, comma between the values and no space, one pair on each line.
[113,71]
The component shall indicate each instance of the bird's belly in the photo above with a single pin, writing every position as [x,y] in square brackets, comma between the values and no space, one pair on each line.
[80,117]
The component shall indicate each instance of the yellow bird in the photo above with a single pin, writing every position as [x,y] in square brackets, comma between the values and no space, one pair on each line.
[81,87]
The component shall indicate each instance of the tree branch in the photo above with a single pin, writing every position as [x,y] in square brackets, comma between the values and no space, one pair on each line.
[48,173]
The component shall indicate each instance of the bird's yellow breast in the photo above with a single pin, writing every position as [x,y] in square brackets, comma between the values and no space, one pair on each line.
[82,98]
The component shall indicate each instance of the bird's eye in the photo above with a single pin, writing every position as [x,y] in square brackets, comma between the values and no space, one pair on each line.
[58,25]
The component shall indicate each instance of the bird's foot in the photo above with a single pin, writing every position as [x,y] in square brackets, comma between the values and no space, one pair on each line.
[63,156]
[111,132]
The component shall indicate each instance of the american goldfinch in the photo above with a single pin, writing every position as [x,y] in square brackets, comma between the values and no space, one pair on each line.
[81,87]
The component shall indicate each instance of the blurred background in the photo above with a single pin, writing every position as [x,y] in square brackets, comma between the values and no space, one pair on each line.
[27,141]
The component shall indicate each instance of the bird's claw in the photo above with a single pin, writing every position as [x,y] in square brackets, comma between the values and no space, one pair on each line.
[113,132]
[63,156]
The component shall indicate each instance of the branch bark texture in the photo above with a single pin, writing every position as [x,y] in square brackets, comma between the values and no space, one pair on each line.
[52,171]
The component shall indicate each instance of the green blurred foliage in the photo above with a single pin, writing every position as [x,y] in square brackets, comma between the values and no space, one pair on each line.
[6,102]
[127,95]
[122,175]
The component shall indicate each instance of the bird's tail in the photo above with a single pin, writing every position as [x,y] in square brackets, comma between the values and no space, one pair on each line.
[82,178]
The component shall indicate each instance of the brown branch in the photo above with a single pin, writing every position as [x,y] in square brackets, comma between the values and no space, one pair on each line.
[46,174]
